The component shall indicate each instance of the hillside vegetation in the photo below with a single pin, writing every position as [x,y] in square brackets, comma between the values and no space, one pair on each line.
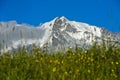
[97,63]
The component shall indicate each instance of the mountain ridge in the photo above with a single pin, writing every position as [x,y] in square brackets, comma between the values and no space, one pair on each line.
[59,33]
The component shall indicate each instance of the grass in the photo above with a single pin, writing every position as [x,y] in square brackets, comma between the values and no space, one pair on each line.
[97,63]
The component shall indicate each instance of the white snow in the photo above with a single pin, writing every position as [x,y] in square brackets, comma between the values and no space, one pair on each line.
[80,27]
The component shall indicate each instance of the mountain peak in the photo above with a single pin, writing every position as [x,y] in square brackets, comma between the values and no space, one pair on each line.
[60,20]
[63,19]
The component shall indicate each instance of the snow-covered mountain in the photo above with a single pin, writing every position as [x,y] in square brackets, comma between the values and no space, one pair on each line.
[58,34]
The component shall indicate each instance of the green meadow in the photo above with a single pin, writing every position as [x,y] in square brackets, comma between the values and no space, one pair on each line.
[97,63]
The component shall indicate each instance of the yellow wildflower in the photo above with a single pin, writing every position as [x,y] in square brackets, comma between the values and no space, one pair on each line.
[112,70]
[54,69]
[56,61]
[92,59]
[102,56]
[62,62]
[117,63]
[50,61]
[36,60]
[66,72]
[41,58]
[88,58]
[77,70]
[88,71]
[112,62]
[85,51]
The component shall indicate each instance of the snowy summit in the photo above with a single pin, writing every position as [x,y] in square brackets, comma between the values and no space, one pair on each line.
[60,33]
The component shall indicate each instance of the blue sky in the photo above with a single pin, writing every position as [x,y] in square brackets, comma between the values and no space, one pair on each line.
[103,13]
